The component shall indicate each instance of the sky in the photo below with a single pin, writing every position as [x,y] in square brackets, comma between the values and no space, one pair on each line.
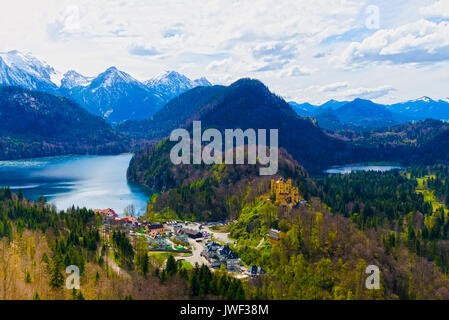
[304,51]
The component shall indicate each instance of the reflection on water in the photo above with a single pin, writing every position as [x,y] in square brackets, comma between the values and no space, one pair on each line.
[350,169]
[84,181]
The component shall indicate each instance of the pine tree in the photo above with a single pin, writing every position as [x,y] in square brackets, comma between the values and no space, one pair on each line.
[172,266]
[27,276]
[20,194]
[56,276]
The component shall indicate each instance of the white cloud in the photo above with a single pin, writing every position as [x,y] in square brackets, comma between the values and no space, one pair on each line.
[297,71]
[438,9]
[342,91]
[367,93]
[285,43]
[143,50]
[332,87]
[419,42]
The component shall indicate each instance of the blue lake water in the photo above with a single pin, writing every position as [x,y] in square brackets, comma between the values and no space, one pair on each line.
[94,182]
[350,169]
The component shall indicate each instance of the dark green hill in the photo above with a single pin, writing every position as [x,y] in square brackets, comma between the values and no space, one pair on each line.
[34,124]
[245,104]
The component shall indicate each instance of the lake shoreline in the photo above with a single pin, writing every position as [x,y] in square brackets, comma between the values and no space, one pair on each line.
[90,181]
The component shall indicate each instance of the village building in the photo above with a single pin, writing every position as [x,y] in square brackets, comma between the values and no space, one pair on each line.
[284,192]
[107,213]
[193,234]
[155,228]
[255,271]
[274,236]
[217,255]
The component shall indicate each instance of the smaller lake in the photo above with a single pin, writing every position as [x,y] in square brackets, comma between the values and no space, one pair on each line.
[350,169]
[94,182]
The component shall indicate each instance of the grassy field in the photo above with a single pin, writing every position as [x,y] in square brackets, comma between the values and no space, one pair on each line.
[429,195]
[186,265]
[161,257]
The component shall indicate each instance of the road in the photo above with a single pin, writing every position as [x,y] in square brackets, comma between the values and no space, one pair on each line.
[196,257]
[220,236]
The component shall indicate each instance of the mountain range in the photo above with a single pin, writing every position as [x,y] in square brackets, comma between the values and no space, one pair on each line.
[361,114]
[113,94]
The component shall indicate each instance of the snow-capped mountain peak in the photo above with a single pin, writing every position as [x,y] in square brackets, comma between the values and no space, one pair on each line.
[25,70]
[113,76]
[423,99]
[171,84]
[202,82]
[170,78]
[73,79]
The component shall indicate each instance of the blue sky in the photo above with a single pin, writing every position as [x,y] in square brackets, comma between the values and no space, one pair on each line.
[303,50]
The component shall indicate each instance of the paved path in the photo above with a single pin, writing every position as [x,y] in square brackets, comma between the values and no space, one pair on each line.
[260,243]
[221,236]
[196,257]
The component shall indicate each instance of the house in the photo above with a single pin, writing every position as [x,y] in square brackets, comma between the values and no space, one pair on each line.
[155,228]
[225,253]
[130,220]
[210,250]
[215,264]
[193,234]
[233,265]
[284,192]
[108,213]
[274,235]
[255,271]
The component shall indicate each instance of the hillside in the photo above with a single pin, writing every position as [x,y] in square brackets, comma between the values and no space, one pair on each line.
[321,253]
[421,143]
[37,244]
[34,124]
[211,188]
[244,104]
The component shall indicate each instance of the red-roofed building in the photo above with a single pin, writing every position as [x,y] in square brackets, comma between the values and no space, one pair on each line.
[110,213]
[131,220]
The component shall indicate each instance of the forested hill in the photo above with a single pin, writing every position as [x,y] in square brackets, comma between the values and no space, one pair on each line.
[35,124]
[325,245]
[204,192]
[245,104]
[37,243]
[421,143]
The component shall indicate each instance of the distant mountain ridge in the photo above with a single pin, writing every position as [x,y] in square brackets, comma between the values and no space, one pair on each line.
[357,114]
[113,94]
[422,108]
[364,114]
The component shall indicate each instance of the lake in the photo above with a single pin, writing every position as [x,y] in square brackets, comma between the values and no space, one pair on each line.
[94,182]
[350,169]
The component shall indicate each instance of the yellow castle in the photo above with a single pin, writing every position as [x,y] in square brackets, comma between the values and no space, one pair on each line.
[285,193]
